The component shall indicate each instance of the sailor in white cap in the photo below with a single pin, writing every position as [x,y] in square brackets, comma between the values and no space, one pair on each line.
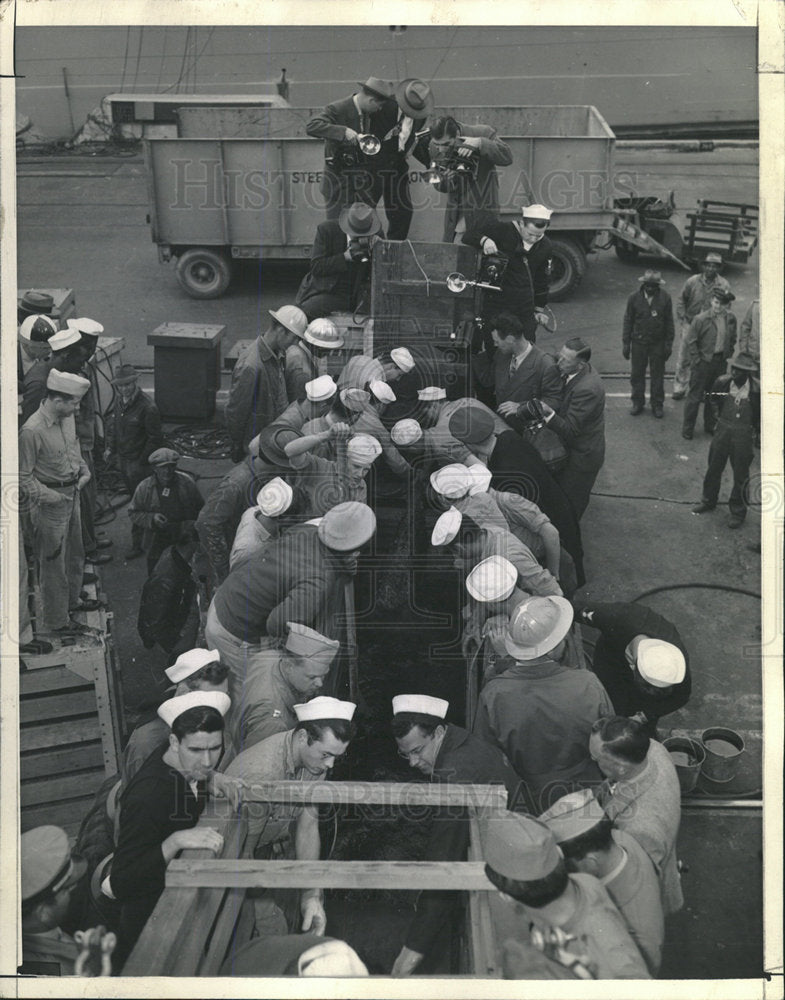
[590,844]
[541,710]
[161,806]
[406,433]
[164,505]
[307,752]
[443,752]
[301,579]
[524,283]
[369,422]
[287,677]
[52,472]
[310,405]
[264,521]
[49,875]
[451,481]
[258,391]
[434,411]
[360,370]
[641,660]
[568,927]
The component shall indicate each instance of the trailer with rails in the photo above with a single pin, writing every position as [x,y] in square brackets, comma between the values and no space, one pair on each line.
[239,183]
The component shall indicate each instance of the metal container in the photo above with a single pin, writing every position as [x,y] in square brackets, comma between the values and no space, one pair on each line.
[688,756]
[724,748]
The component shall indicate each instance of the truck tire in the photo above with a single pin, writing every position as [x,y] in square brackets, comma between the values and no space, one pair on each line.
[625,251]
[204,273]
[567,269]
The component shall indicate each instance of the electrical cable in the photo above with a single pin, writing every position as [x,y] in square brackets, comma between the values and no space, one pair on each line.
[700,585]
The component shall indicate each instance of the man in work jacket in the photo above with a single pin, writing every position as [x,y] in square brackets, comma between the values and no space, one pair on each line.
[695,296]
[647,340]
[710,342]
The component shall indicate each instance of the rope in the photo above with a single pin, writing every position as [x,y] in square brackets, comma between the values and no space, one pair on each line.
[416,261]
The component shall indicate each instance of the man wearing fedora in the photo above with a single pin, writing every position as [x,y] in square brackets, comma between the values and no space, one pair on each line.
[258,391]
[709,344]
[370,111]
[647,340]
[735,399]
[340,262]
[694,298]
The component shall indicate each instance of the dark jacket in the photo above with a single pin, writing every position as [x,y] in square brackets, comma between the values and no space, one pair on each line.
[580,420]
[649,324]
[525,282]
[256,397]
[168,612]
[618,625]
[735,416]
[135,432]
[536,377]
[330,272]
[703,338]
[481,194]
[463,759]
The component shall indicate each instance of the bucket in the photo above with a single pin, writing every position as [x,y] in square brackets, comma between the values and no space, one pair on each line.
[724,748]
[688,757]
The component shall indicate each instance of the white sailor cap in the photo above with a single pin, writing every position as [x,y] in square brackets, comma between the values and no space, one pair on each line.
[323,707]
[189,662]
[536,212]
[481,477]
[447,527]
[493,579]
[354,399]
[573,814]
[451,481]
[72,385]
[64,338]
[363,449]
[406,431]
[421,704]
[174,707]
[275,497]
[382,391]
[401,356]
[660,663]
[320,389]
[85,325]
[431,393]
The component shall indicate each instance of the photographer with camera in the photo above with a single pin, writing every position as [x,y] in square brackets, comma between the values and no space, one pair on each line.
[463,164]
[523,251]
[340,263]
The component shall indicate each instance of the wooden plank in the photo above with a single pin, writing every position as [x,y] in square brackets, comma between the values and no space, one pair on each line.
[250,873]
[57,706]
[82,758]
[483,939]
[225,930]
[60,787]
[68,815]
[58,678]
[393,794]
[77,658]
[58,734]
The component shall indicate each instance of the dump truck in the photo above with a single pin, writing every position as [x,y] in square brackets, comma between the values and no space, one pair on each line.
[243,182]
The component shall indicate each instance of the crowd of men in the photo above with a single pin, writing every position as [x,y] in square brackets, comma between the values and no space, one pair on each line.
[246,586]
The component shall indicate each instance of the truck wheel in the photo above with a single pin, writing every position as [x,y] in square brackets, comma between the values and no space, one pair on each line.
[625,251]
[203,273]
[567,269]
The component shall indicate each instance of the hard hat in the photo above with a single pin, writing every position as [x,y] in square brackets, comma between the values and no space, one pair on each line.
[537,626]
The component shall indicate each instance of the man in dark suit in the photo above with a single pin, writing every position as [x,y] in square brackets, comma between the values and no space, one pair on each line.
[474,189]
[524,284]
[340,263]
[580,422]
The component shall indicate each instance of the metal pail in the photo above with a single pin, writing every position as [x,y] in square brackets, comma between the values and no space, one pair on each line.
[724,748]
[688,756]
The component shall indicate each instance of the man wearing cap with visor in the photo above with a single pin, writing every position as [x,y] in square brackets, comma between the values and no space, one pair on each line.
[647,340]
[163,505]
[524,285]
[540,712]
[735,401]
[694,298]
[565,926]
[640,659]
[340,263]
[49,874]
[443,752]
[257,394]
[135,431]
[51,474]
[279,680]
[300,579]
[307,752]
[161,806]
[347,171]
[590,844]
[709,344]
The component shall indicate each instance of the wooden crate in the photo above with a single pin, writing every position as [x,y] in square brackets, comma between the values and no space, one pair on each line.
[70,718]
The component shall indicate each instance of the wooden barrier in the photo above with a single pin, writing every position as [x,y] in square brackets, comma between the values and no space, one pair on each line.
[203,908]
